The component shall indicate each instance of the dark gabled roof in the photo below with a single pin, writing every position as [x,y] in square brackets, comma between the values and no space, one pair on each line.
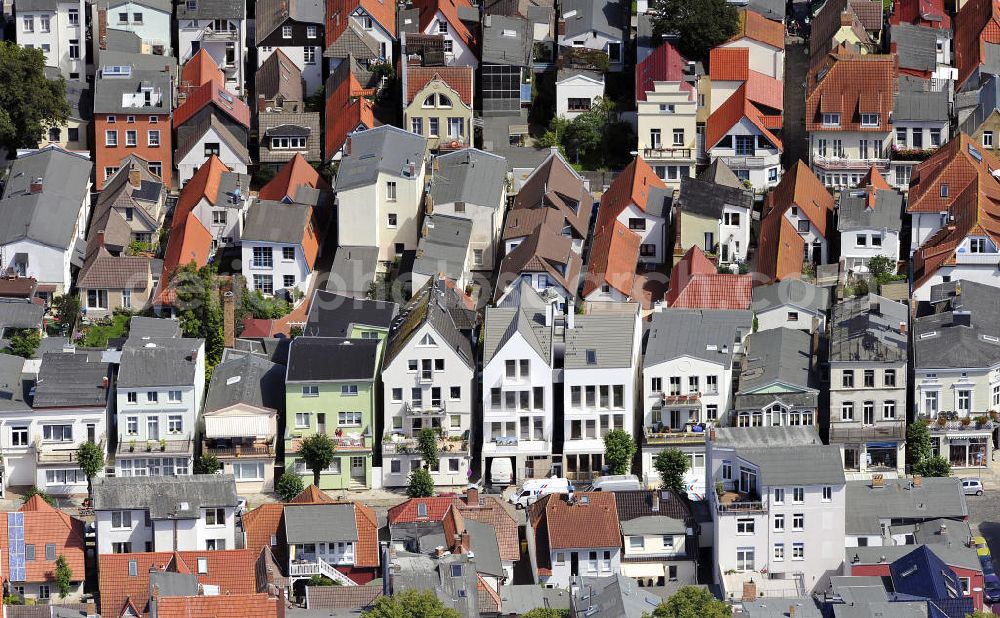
[777,356]
[855,210]
[916,46]
[353,270]
[640,503]
[250,379]
[273,13]
[159,362]
[708,199]
[940,342]
[443,247]
[12,386]
[469,175]
[278,222]
[313,523]
[140,327]
[333,315]
[279,75]
[869,328]
[921,573]
[607,17]
[320,359]
[20,313]
[109,91]
[923,105]
[428,306]
[386,149]
[212,9]
[506,41]
[68,380]
[166,497]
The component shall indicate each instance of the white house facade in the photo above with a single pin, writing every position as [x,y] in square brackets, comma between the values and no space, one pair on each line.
[58,29]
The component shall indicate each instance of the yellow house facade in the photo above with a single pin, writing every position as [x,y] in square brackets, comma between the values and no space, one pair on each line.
[441,113]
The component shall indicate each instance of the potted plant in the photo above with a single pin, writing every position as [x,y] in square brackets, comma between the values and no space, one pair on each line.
[966,421]
[163,444]
[981,420]
[942,421]
[149,445]
[131,444]
[719,488]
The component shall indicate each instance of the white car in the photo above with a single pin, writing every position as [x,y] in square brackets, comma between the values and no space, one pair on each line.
[972,487]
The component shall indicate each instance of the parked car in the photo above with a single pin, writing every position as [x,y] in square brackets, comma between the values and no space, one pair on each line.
[992,588]
[972,487]
[987,564]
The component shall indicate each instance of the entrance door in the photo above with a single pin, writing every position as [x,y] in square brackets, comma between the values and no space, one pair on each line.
[358,469]
[574,563]
[817,253]
[675,419]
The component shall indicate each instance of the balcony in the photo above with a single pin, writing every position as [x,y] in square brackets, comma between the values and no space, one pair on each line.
[417,408]
[748,162]
[846,163]
[950,421]
[402,445]
[668,153]
[739,503]
[130,445]
[256,450]
[220,35]
[884,430]
[317,566]
[55,455]
[664,436]
[974,259]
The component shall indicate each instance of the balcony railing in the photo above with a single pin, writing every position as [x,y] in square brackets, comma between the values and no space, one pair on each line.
[417,408]
[739,503]
[254,450]
[676,438]
[130,445]
[747,162]
[51,456]
[884,430]
[397,445]
[667,153]
[322,567]
[220,35]
[844,163]
[947,420]
[986,259]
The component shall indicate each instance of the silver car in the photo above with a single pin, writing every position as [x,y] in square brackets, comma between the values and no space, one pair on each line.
[972,487]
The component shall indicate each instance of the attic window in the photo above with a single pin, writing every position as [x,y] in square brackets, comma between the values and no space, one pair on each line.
[133,568]
[202,566]
[869,120]
[928,335]
[456,570]
[421,509]
[591,357]
[975,153]
[831,120]
[944,189]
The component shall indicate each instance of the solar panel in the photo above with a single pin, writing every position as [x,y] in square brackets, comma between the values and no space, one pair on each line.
[15,545]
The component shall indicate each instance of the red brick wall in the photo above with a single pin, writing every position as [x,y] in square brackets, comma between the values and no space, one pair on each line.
[110,156]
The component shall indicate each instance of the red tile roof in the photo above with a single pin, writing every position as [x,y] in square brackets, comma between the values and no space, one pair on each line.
[766,91]
[294,174]
[405,513]
[262,523]
[956,164]
[780,250]
[695,283]
[459,78]
[200,70]
[852,84]
[492,512]
[45,525]
[233,571]
[729,64]
[338,12]
[755,26]
[448,8]
[214,93]
[735,108]
[663,64]
[366,553]
[311,495]
[347,109]
[874,179]
[590,521]
[229,606]
[800,187]
[927,13]
[977,23]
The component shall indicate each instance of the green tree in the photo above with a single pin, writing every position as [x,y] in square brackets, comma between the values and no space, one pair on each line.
[67,310]
[671,464]
[34,491]
[29,102]
[933,466]
[700,25]
[619,449]
[981,615]
[427,445]
[207,464]
[256,305]
[918,441]
[317,451]
[24,342]
[410,604]
[320,580]
[421,484]
[200,308]
[90,458]
[547,612]
[692,602]
[882,268]
[64,576]
[289,486]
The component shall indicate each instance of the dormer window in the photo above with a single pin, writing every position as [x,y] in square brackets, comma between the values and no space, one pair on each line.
[978,245]
[192,5]
[831,120]
[869,120]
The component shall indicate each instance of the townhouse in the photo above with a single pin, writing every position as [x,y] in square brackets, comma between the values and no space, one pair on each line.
[596,26]
[109,282]
[296,29]
[288,129]
[220,28]
[869,219]
[161,382]
[505,70]
[149,21]
[954,371]
[165,514]
[924,46]
[56,28]
[348,109]
[454,20]
[44,210]
[764,39]
[880,508]
[438,104]
[427,377]
[714,215]
[73,134]
[380,185]
[778,509]
[868,384]
[975,40]
[701,346]
[791,303]
[444,249]
[921,118]
[350,20]
[659,538]
[574,534]
[35,536]
[578,88]
[778,383]
[854,24]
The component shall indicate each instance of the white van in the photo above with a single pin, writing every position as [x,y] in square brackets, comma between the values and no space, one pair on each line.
[533,489]
[617,482]
[501,472]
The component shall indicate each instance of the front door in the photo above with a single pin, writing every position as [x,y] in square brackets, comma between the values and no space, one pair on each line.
[574,563]
[358,469]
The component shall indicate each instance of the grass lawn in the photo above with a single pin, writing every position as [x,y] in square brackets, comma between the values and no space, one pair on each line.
[97,334]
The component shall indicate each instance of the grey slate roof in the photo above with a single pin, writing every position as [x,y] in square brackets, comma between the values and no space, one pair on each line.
[443,246]
[483,543]
[193,130]
[867,329]
[471,176]
[20,313]
[428,306]
[273,13]
[690,332]
[12,386]
[386,149]
[519,599]
[767,437]
[506,41]
[606,16]
[353,270]
[613,597]
[916,46]
[771,9]
[288,124]
[143,327]
[771,607]
[48,217]
[334,315]
[418,572]
[251,380]
[651,524]
[817,465]
[938,342]
[921,106]
[522,311]
[708,199]
[80,99]
[212,9]
[899,499]
[777,356]
[123,41]
[354,42]
[158,362]
[853,212]
[270,221]
[279,75]
[166,497]
[71,380]
[321,359]
[320,523]
[794,292]
[720,173]
[608,336]
[639,503]
[109,91]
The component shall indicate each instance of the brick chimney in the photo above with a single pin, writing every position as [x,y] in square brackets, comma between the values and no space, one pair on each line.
[91,608]
[228,320]
[135,177]
[472,496]
[917,480]
[102,28]
[100,239]
[749,591]
[878,480]
[36,185]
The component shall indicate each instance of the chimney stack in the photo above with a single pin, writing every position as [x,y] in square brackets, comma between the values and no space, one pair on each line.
[36,185]
[749,591]
[917,480]
[472,496]
[135,177]
[656,502]
[878,480]
[100,239]
[791,611]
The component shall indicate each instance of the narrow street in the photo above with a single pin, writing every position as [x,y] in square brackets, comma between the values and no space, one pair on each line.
[794,127]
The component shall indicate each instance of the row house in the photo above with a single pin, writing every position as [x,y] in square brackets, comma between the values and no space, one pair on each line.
[869,219]
[545,231]
[778,510]
[296,29]
[659,538]
[848,108]
[696,283]
[165,514]
[287,128]
[427,377]
[868,384]
[764,39]
[150,21]
[438,104]
[921,120]
[348,106]
[924,52]
[791,303]
[209,120]
[667,101]
[58,28]
[794,227]
[132,115]
[505,69]
[573,535]
[597,26]
[742,132]
[66,406]
[131,209]
[373,21]
[777,383]
[443,250]
[631,231]
[955,379]
[978,116]
[456,21]
[35,536]
[74,132]
[380,185]
[161,383]
[44,209]
[855,24]
[976,41]
[687,384]
[239,426]
[471,184]
[220,28]
[878,505]
[713,212]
